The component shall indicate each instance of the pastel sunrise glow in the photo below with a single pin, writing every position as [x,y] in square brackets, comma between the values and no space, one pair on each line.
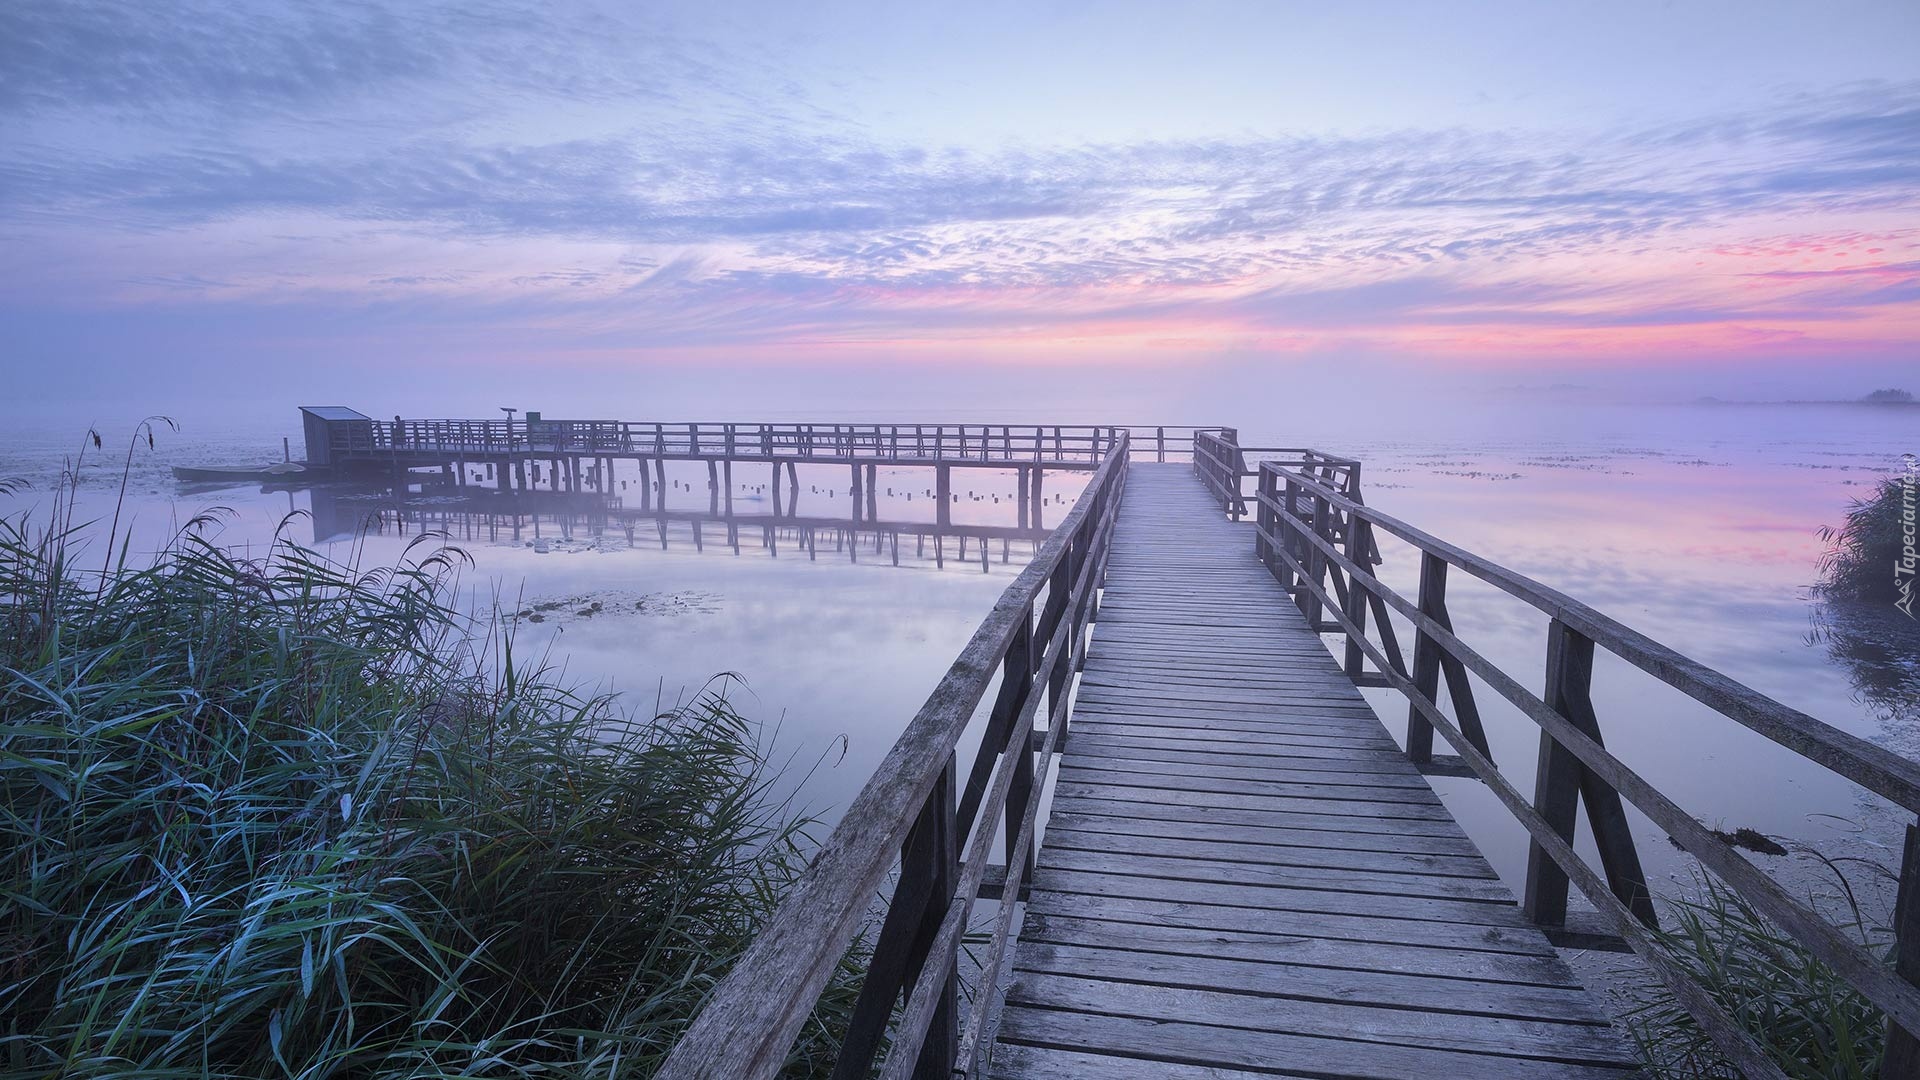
[1510,188]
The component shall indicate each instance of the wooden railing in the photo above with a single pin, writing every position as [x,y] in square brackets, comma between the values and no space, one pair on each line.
[1225,467]
[1158,442]
[1057,444]
[1312,536]
[905,834]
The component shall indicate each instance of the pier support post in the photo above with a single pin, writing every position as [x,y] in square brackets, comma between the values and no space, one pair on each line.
[1023,485]
[943,495]
[726,479]
[1039,496]
[858,495]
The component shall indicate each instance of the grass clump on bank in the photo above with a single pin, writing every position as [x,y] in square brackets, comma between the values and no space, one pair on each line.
[1865,549]
[277,818]
[1808,1018]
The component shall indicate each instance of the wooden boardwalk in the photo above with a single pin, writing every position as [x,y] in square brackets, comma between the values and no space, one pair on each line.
[1242,873]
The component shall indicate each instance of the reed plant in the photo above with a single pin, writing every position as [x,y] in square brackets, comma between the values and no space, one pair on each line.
[283,817]
[1808,1018]
[1864,550]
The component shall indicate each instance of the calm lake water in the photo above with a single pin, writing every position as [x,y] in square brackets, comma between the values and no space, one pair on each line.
[1694,524]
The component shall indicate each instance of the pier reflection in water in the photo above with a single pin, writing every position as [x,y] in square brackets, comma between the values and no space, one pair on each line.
[887,530]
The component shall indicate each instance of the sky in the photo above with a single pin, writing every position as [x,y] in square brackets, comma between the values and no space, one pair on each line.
[358,199]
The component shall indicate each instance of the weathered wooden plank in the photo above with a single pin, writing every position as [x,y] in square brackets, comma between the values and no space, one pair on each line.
[1276,897]
[1185,823]
[1216,758]
[1260,854]
[1012,1061]
[1208,730]
[1081,770]
[1199,1044]
[1342,714]
[1071,834]
[1098,799]
[1346,880]
[1363,774]
[1316,949]
[1337,925]
[1233,729]
[1244,753]
[1501,1035]
[1397,812]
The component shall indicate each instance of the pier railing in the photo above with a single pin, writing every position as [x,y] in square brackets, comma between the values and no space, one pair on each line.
[1226,467]
[1057,444]
[921,833]
[1312,535]
[1158,442]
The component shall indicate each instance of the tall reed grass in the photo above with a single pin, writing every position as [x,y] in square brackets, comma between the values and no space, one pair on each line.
[1808,1018]
[284,818]
[1863,550]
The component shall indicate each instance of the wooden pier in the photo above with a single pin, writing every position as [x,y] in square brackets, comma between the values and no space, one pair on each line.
[536,453]
[1242,873]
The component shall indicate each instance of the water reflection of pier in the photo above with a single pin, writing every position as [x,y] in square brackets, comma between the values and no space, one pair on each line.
[569,517]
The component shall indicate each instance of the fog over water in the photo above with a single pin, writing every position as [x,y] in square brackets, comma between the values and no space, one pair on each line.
[1695,524]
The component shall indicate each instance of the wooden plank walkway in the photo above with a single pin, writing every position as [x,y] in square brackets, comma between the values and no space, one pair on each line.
[1243,875]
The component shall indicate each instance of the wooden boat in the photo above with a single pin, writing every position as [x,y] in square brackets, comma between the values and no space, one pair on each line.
[228,474]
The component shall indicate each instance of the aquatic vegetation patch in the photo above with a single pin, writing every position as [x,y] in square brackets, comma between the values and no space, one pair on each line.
[283,817]
[1808,1018]
[613,603]
[1869,554]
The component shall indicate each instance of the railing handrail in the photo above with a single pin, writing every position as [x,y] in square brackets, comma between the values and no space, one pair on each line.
[1017,444]
[1876,768]
[748,1023]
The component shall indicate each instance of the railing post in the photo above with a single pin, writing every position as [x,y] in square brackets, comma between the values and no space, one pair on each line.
[1903,1046]
[942,1044]
[1294,543]
[1426,656]
[1356,606]
[1316,560]
[1264,523]
[1556,783]
[1059,583]
[1160,444]
[1569,693]
[921,896]
[1017,671]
